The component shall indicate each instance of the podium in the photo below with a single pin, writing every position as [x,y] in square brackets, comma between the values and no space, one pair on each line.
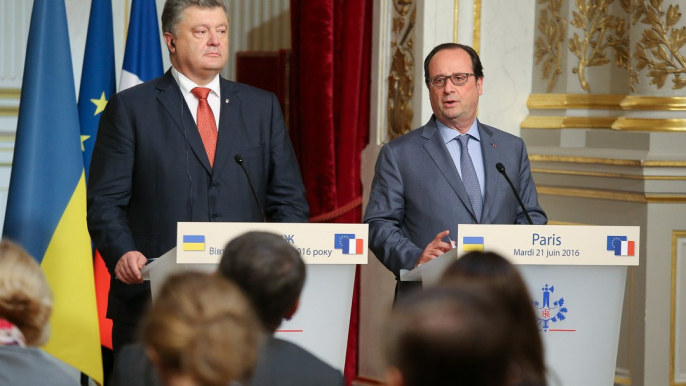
[330,252]
[575,276]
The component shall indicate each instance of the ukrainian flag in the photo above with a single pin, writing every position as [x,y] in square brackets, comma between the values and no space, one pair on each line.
[470,244]
[193,243]
[46,205]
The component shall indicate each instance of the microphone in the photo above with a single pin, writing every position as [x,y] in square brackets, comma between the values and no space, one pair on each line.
[501,169]
[239,161]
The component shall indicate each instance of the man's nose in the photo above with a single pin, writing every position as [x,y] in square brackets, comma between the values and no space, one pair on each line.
[449,87]
[213,38]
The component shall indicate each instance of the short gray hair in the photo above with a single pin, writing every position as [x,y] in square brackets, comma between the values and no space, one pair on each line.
[173,11]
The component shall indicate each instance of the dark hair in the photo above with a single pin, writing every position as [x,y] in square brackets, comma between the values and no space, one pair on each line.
[449,336]
[490,270]
[476,62]
[270,272]
[173,11]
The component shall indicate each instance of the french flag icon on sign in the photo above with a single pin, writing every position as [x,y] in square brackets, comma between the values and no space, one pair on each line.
[348,244]
[621,245]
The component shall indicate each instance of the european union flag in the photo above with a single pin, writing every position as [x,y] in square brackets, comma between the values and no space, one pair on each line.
[97,87]
[614,242]
[46,204]
[342,241]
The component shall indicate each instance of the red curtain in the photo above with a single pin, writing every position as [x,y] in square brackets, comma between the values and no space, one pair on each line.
[331,43]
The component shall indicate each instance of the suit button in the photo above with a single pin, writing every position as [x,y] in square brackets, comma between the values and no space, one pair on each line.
[215,216]
[215,184]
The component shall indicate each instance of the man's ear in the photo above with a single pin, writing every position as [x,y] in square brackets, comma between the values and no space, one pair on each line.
[394,377]
[169,42]
[293,309]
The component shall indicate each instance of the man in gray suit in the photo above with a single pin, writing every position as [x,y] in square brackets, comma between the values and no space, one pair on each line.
[444,173]
[181,148]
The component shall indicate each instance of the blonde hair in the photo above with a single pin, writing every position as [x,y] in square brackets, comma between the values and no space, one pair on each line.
[202,326]
[25,296]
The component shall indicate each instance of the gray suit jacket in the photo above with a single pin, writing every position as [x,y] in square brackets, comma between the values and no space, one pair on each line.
[31,366]
[417,192]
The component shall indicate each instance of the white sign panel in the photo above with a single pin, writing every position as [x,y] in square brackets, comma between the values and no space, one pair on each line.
[554,244]
[203,243]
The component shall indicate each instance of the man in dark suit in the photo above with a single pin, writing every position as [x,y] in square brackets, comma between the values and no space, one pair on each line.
[168,150]
[272,274]
[444,173]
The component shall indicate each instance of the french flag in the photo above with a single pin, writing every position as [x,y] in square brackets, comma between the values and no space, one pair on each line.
[354,247]
[626,248]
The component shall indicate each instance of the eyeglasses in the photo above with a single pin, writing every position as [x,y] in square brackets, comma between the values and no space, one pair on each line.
[458,79]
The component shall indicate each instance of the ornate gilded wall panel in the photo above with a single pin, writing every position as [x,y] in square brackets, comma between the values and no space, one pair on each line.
[552,28]
[603,33]
[401,78]
[660,51]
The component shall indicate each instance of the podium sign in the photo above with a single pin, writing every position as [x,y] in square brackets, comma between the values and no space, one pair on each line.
[554,244]
[331,253]
[576,277]
[201,243]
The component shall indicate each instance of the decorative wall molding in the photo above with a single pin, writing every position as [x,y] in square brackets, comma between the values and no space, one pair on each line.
[548,46]
[576,101]
[661,41]
[599,194]
[677,324]
[401,76]
[607,161]
[635,102]
[565,122]
[649,125]
[602,31]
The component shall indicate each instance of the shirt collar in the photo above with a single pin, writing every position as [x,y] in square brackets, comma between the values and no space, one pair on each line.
[186,85]
[449,134]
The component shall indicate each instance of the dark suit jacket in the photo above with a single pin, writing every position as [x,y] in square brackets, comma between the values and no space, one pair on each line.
[417,192]
[284,363]
[150,170]
[280,363]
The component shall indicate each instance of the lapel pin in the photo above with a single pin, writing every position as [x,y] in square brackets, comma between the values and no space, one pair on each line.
[494,145]
[227,100]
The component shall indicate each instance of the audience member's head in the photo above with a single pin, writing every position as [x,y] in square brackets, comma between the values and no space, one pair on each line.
[270,272]
[489,270]
[201,330]
[448,336]
[25,296]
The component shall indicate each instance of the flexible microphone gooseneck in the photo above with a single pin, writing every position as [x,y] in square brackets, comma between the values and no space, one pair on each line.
[501,169]
[239,161]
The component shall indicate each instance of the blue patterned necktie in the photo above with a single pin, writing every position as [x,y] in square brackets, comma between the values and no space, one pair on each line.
[469,178]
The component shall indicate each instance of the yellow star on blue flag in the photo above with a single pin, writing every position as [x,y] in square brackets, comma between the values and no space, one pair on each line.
[99,104]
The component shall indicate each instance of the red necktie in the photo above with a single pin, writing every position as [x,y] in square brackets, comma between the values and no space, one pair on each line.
[206,123]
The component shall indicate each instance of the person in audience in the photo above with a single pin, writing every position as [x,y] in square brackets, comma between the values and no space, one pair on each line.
[25,308]
[488,269]
[272,274]
[201,331]
[450,335]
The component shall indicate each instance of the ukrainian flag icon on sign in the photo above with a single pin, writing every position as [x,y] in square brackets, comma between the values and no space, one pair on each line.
[470,244]
[193,242]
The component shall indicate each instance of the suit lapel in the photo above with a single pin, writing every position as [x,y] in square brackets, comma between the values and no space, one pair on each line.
[173,102]
[435,146]
[491,157]
[230,123]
